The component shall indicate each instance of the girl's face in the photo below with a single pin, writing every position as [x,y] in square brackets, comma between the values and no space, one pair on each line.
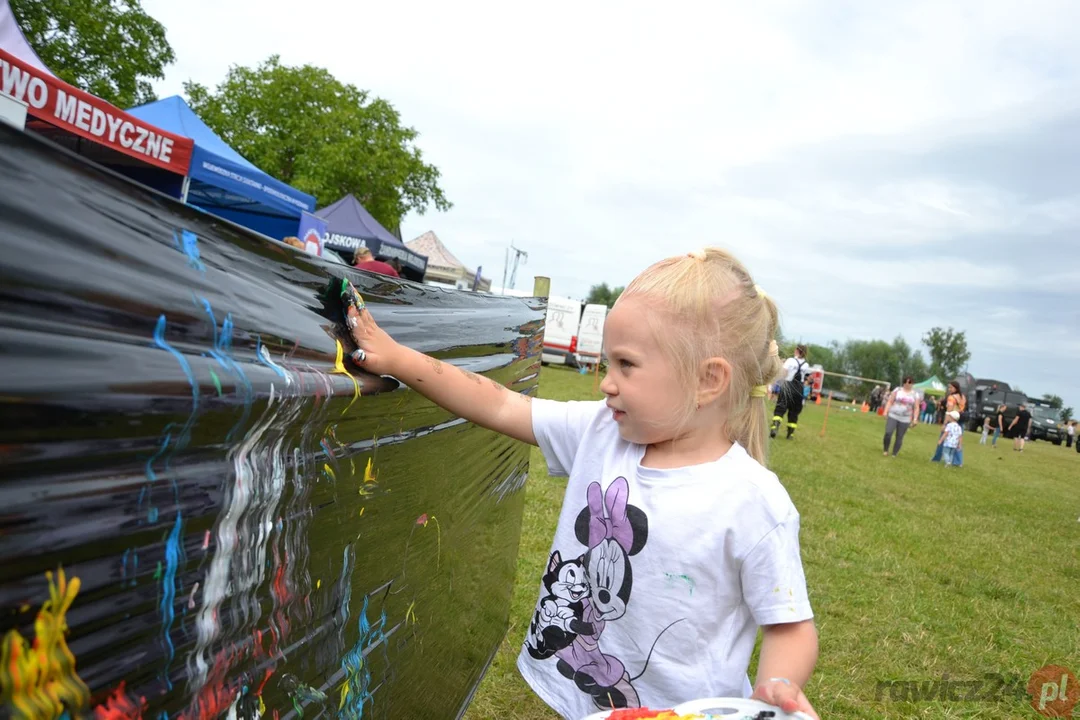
[646,396]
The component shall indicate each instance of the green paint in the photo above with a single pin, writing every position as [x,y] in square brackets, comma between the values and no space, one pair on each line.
[217,383]
[685,578]
[157,573]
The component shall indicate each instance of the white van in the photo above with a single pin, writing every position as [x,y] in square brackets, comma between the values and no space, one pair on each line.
[561,331]
[590,342]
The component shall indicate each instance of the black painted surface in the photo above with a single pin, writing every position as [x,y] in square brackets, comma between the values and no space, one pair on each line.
[239,524]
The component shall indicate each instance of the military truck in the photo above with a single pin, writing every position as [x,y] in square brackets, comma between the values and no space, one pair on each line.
[976,391]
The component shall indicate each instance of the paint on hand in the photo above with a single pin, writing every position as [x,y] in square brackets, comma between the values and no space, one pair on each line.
[40,681]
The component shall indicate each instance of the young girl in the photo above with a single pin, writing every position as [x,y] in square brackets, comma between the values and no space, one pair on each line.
[674,543]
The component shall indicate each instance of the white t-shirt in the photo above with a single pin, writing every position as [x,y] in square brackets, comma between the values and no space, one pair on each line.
[793,365]
[684,564]
[903,405]
[953,433]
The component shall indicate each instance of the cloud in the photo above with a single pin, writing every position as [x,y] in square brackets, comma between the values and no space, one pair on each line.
[880,167]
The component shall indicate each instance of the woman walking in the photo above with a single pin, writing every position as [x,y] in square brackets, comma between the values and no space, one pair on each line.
[901,412]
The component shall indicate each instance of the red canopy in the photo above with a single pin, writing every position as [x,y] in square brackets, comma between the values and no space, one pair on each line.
[65,106]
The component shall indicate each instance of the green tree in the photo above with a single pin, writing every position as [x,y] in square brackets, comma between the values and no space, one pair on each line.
[1055,401]
[327,138]
[1066,414]
[603,295]
[948,351]
[110,48]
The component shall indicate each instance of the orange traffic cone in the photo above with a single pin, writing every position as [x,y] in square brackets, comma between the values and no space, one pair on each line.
[817,399]
[866,407]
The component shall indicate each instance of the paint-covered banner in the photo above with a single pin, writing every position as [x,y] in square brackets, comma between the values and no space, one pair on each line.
[204,508]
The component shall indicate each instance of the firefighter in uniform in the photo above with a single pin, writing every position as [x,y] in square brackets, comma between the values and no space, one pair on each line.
[790,399]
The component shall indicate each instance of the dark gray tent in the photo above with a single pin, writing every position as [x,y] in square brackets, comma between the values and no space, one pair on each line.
[350,226]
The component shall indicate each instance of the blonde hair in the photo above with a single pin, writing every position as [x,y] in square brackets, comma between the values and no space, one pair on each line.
[708,306]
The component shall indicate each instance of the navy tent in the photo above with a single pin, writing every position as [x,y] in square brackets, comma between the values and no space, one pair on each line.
[223,182]
[350,226]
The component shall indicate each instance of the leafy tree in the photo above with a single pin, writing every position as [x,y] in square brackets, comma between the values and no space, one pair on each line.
[327,138]
[110,48]
[1055,401]
[948,351]
[603,295]
[1066,414]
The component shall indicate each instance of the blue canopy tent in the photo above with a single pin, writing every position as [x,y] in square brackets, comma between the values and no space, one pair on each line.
[350,226]
[223,182]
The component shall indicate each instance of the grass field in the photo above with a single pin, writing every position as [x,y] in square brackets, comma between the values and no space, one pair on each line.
[916,572]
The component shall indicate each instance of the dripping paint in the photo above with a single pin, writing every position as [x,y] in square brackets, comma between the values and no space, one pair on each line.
[208,511]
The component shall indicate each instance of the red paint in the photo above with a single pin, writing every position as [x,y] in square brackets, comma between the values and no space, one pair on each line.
[422,520]
[269,672]
[120,707]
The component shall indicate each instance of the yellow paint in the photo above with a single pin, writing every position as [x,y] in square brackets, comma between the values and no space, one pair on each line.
[329,471]
[40,681]
[262,706]
[361,512]
[24,608]
[410,614]
[369,476]
[339,368]
[438,537]
[344,694]
[318,583]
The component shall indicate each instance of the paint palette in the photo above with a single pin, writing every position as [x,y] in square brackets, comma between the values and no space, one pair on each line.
[705,709]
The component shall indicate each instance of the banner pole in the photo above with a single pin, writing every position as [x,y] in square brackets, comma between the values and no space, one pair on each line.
[828,404]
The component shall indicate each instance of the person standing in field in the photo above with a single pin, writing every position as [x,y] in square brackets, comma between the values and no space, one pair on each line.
[791,393]
[985,430]
[952,439]
[1020,428]
[901,412]
[999,425]
[954,400]
[1070,432]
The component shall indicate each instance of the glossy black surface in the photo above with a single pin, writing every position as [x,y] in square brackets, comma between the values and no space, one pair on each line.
[240,525]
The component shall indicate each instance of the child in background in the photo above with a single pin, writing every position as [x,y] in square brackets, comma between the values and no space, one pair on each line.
[986,430]
[666,480]
[952,437]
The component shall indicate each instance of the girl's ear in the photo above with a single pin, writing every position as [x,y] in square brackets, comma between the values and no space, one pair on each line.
[714,380]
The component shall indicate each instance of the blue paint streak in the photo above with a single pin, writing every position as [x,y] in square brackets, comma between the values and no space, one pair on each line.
[152,516]
[258,355]
[357,674]
[222,353]
[173,553]
[159,340]
[149,463]
[188,243]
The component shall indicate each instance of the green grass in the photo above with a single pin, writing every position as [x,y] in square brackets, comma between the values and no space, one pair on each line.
[915,571]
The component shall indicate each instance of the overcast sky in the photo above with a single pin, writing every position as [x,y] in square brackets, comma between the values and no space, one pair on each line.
[881,167]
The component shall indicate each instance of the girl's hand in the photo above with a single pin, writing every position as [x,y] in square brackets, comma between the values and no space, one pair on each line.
[381,352]
[785,695]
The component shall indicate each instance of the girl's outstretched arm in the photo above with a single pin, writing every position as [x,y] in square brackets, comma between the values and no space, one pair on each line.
[477,399]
